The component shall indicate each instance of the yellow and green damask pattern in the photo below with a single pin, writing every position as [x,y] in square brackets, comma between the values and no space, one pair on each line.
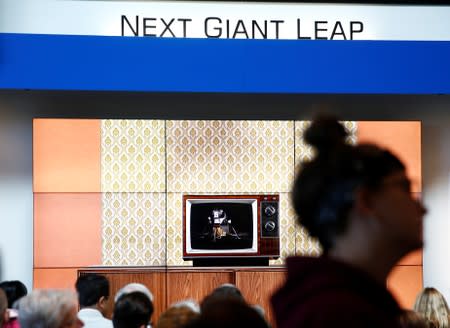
[148,165]
[133,230]
[133,156]
[230,156]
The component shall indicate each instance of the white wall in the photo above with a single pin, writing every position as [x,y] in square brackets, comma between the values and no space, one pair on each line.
[16,230]
[436,177]
[16,201]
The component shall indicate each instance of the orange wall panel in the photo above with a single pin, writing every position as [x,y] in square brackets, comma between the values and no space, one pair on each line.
[66,155]
[405,282]
[413,258]
[55,278]
[402,138]
[67,229]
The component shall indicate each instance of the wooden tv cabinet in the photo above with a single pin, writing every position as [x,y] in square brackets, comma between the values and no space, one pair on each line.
[173,284]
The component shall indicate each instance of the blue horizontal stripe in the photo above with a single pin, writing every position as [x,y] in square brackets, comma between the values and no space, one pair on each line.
[62,62]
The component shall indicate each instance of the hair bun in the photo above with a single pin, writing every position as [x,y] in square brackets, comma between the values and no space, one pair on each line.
[325,133]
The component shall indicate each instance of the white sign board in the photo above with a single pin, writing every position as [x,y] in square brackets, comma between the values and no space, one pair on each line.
[234,20]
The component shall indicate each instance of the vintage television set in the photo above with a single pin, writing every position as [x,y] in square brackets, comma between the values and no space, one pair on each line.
[231,229]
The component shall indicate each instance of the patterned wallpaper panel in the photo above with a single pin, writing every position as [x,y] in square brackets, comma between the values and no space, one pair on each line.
[230,156]
[133,156]
[304,244]
[303,151]
[287,230]
[175,230]
[203,157]
[134,228]
[352,129]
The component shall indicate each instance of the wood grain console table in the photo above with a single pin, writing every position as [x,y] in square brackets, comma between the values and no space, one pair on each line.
[173,284]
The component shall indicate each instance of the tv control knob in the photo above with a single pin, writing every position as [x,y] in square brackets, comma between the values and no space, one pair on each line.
[270,210]
[270,226]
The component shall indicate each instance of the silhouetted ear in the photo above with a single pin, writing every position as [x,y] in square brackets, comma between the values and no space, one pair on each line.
[102,304]
[363,201]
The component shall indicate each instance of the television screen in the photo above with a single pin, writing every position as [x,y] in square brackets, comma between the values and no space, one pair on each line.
[221,225]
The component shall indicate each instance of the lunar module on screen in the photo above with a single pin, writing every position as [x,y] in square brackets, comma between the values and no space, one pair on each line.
[220,226]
